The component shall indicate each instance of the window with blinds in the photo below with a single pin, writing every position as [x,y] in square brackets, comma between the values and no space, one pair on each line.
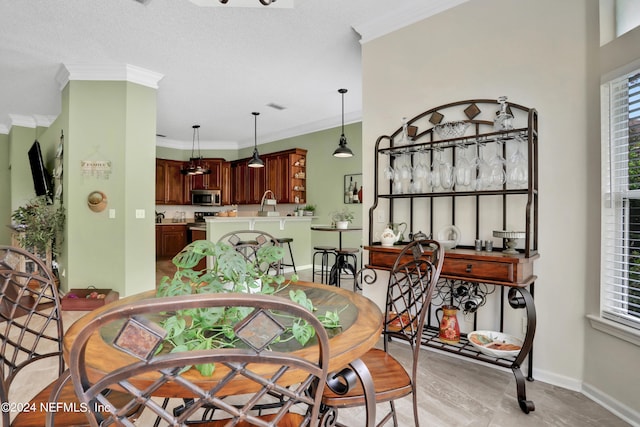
[620,284]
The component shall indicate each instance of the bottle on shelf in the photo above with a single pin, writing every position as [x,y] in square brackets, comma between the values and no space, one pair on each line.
[354,197]
[360,195]
[348,194]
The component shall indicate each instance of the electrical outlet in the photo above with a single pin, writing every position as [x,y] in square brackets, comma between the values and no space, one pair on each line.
[139,213]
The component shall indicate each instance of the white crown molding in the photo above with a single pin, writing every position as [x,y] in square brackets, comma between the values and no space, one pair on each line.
[204,145]
[36,120]
[107,72]
[33,121]
[402,17]
[333,122]
[307,128]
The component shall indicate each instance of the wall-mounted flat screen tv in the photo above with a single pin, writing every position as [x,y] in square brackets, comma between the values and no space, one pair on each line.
[41,178]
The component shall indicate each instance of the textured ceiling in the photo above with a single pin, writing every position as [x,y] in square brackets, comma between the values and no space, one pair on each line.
[219,63]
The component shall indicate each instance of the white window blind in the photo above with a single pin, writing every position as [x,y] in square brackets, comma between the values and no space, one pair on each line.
[620,284]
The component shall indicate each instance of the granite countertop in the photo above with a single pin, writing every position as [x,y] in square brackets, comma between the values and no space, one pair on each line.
[172,222]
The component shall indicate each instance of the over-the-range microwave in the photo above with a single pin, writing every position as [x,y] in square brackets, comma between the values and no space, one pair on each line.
[206,197]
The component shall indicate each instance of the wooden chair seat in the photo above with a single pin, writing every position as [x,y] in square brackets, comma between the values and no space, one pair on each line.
[409,289]
[64,417]
[390,381]
[69,412]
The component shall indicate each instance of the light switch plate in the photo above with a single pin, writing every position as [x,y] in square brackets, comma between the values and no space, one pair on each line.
[112,213]
[139,213]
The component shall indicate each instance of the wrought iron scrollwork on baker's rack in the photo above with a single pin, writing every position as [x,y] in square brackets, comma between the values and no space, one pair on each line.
[467,296]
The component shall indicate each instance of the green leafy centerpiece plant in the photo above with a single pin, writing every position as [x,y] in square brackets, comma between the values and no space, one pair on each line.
[208,328]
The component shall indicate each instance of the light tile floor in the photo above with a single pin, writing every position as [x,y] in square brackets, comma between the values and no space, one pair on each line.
[452,392]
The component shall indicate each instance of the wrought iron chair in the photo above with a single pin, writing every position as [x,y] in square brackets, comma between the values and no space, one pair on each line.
[30,331]
[249,242]
[259,362]
[411,283]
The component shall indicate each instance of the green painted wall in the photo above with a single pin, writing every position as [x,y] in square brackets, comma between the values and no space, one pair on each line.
[5,191]
[112,121]
[325,176]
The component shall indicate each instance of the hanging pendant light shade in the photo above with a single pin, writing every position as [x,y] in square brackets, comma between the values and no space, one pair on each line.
[342,150]
[256,161]
[195,166]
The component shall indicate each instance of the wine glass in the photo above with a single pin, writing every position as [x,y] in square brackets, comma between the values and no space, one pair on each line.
[388,172]
[497,163]
[446,175]
[484,171]
[517,166]
[462,170]
[436,163]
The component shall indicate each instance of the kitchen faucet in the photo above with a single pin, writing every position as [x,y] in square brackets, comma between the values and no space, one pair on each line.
[271,202]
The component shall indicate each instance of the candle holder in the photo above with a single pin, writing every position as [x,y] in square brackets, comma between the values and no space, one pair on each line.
[510,239]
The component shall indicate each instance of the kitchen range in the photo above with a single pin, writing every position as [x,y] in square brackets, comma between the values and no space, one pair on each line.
[197,230]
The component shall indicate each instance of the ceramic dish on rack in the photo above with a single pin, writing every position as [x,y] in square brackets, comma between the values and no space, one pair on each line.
[495,344]
[449,236]
[59,150]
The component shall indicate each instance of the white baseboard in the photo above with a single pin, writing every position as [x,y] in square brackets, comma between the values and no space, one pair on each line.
[630,415]
[557,380]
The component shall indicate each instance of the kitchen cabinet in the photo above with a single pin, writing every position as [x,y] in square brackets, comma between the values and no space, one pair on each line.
[480,173]
[225,183]
[211,181]
[170,239]
[199,235]
[284,174]
[174,188]
[171,186]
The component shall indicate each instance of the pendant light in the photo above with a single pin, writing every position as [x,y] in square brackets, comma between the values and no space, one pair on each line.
[256,161]
[195,163]
[342,150]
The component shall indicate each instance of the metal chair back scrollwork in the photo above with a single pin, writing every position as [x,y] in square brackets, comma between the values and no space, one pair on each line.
[249,243]
[31,330]
[257,360]
[412,279]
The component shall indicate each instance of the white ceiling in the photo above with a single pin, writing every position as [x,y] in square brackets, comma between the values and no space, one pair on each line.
[218,63]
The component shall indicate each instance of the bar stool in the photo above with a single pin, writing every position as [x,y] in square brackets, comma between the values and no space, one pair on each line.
[323,252]
[346,265]
[288,241]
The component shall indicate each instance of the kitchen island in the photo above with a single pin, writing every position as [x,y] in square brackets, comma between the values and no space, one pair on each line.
[296,227]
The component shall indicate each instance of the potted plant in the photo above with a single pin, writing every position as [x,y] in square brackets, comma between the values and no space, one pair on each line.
[40,226]
[230,272]
[309,209]
[342,218]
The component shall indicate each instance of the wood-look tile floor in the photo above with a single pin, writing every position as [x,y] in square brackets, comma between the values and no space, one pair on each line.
[451,392]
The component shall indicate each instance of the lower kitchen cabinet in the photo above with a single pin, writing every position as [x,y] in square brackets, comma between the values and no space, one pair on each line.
[170,239]
[199,235]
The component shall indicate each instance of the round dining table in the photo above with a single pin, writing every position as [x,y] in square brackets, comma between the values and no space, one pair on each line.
[361,324]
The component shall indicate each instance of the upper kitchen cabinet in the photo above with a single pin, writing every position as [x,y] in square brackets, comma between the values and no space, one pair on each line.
[248,184]
[171,186]
[211,181]
[284,174]
[225,184]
